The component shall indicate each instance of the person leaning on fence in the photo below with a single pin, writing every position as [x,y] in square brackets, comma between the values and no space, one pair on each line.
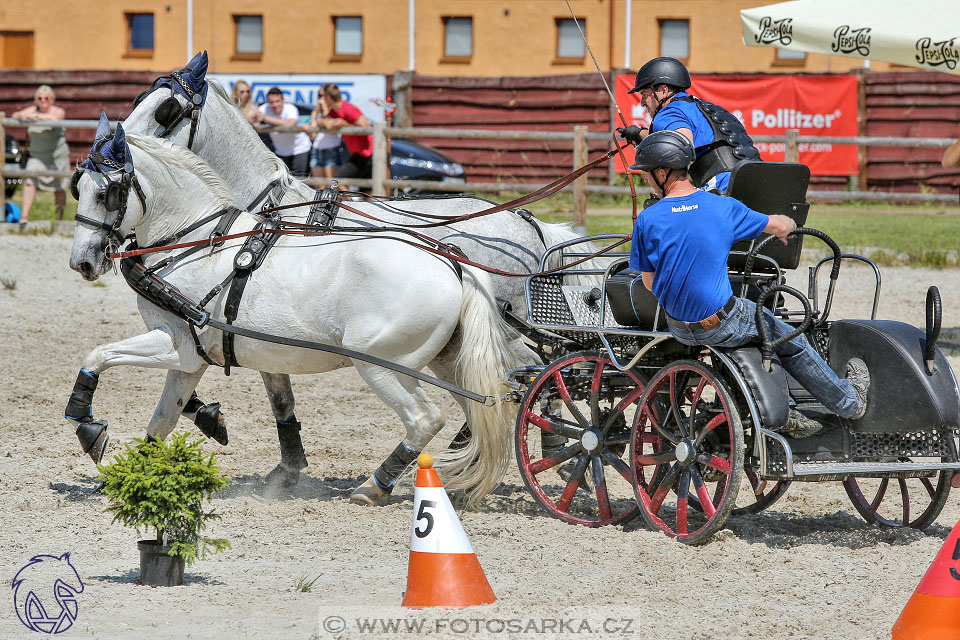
[720,139]
[680,245]
[344,114]
[328,150]
[48,151]
[292,148]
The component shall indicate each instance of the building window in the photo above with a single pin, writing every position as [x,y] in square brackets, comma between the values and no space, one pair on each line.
[348,36]
[569,41]
[140,33]
[249,30]
[789,57]
[457,38]
[675,38]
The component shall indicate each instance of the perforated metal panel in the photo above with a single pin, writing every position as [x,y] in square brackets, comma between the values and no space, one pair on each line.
[547,302]
[900,445]
[587,315]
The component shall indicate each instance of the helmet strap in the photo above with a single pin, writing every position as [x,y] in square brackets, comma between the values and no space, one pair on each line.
[661,101]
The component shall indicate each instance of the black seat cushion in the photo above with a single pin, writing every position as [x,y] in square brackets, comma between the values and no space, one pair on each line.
[769,389]
[633,305]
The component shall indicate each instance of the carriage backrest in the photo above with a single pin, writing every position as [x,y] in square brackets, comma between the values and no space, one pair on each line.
[772,188]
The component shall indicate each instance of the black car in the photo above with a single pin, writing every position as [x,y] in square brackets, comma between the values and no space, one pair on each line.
[14,158]
[411,160]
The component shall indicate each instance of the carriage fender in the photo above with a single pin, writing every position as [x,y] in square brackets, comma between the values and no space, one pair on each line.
[903,395]
[769,389]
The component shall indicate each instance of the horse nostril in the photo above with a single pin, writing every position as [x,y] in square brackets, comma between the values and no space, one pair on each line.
[86,268]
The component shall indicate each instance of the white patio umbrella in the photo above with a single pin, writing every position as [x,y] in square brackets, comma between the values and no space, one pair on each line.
[923,33]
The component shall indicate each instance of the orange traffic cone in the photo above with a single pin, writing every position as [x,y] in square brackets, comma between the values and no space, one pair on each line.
[933,611]
[443,570]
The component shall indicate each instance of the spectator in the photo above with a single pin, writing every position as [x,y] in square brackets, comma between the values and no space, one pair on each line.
[343,114]
[327,153]
[243,98]
[48,151]
[292,148]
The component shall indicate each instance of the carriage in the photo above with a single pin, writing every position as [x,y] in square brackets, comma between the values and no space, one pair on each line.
[624,420]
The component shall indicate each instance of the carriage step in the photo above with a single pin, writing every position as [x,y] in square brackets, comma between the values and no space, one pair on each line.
[820,471]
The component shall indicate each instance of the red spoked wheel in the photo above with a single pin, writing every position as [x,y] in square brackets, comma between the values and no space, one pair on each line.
[900,502]
[686,452]
[572,435]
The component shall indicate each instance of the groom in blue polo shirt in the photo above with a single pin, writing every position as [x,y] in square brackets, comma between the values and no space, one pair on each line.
[681,244]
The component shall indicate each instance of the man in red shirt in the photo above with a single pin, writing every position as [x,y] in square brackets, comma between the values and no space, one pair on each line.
[342,114]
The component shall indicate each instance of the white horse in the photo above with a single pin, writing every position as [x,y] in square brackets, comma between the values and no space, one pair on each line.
[510,241]
[380,297]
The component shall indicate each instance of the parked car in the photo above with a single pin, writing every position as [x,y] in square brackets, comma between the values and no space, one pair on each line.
[411,160]
[14,158]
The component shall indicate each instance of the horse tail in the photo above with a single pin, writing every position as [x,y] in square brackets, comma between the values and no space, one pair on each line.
[482,362]
[554,234]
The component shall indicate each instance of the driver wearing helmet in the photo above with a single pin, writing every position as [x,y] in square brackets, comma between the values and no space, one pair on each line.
[721,141]
[681,244]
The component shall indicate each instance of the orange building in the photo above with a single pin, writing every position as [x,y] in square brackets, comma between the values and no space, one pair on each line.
[479,38]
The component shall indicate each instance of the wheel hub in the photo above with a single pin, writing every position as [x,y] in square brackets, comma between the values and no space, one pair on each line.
[686,452]
[590,440]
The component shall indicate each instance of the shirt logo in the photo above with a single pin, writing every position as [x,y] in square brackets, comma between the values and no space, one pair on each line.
[684,207]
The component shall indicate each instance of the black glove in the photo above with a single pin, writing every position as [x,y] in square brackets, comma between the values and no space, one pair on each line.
[631,133]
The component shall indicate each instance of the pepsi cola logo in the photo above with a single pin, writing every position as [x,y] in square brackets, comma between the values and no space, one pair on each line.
[849,40]
[771,31]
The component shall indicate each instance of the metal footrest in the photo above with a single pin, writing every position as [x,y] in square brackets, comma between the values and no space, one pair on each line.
[826,471]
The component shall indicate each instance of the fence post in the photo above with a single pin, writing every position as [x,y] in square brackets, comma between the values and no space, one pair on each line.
[380,159]
[792,151]
[3,183]
[579,193]
[403,98]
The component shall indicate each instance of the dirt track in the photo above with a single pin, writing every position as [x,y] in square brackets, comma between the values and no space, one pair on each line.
[807,568]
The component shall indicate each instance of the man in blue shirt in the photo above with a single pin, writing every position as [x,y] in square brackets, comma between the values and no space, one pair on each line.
[681,244]
[720,139]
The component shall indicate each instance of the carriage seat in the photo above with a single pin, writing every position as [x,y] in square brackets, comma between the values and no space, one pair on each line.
[632,304]
[771,188]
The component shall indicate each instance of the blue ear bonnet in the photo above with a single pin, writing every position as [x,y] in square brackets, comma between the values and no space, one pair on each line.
[188,81]
[109,150]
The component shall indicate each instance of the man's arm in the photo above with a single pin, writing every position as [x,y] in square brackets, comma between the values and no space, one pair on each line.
[647,277]
[951,157]
[780,226]
[277,121]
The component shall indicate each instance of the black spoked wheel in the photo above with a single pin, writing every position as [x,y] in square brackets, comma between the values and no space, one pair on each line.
[572,435]
[686,452]
[899,502]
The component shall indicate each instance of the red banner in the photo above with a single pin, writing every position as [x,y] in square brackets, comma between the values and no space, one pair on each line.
[769,105]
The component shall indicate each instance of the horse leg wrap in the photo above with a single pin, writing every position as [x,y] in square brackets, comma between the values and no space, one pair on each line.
[394,466]
[80,404]
[291,447]
[551,443]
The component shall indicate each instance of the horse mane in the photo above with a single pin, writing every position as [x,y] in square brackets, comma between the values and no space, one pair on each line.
[166,154]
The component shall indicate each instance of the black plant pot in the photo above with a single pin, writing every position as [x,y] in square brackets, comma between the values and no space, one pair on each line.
[157,569]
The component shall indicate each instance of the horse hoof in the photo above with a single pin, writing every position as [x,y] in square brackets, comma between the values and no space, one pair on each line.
[211,423]
[283,476]
[369,494]
[93,438]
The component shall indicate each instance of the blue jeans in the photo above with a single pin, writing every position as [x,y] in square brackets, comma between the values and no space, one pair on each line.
[799,358]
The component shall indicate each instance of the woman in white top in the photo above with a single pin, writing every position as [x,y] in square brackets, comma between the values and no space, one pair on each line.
[327,153]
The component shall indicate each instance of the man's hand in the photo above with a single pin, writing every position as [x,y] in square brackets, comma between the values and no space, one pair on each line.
[780,226]
[633,133]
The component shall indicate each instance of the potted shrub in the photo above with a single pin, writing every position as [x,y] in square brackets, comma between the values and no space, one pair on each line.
[160,485]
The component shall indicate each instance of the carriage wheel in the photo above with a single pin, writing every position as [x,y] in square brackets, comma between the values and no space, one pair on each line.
[686,452]
[899,502]
[760,495]
[572,434]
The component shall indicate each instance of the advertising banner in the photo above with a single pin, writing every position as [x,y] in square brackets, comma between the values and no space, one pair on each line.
[769,105]
[364,91]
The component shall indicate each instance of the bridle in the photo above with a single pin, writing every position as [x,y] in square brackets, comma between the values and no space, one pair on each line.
[114,196]
[170,112]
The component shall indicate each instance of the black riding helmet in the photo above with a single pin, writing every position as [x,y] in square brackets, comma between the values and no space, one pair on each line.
[669,149]
[662,70]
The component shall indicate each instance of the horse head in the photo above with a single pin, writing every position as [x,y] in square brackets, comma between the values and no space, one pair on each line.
[42,584]
[171,108]
[102,185]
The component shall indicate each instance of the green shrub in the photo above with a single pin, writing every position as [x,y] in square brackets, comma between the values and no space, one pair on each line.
[161,485]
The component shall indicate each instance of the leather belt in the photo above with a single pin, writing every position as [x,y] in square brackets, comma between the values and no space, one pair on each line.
[707,323]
